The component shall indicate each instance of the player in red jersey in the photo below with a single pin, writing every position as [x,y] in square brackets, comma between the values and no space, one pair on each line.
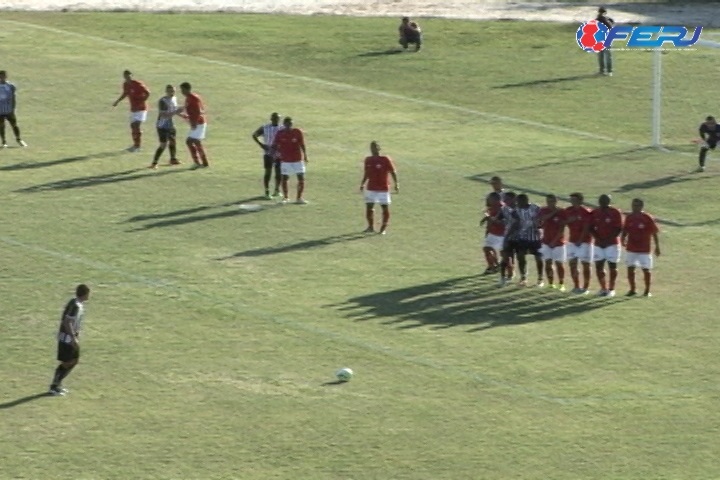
[194,112]
[494,233]
[638,231]
[580,243]
[552,220]
[289,145]
[377,170]
[606,224]
[137,93]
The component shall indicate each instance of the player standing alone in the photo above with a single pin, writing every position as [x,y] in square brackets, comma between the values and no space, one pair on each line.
[289,145]
[7,110]
[194,111]
[606,224]
[410,33]
[378,169]
[605,55]
[270,161]
[710,133]
[638,230]
[165,127]
[68,334]
[137,93]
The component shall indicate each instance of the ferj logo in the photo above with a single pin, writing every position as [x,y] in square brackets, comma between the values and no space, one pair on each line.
[595,36]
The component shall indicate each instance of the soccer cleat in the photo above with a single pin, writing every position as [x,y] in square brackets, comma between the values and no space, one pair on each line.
[174,161]
[631,293]
[700,169]
[285,201]
[539,284]
[57,391]
[576,290]
[369,230]
[522,282]
[602,293]
[502,282]
[647,294]
[153,166]
[561,288]
[609,74]
[267,196]
[276,193]
[610,293]
[133,149]
[4,145]
[581,291]
[301,201]
[21,143]
[382,231]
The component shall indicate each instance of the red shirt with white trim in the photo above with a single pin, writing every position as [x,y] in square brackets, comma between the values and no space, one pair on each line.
[639,228]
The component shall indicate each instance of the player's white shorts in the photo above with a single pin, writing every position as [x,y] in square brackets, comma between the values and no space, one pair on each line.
[383,198]
[138,116]
[292,168]
[556,254]
[642,260]
[495,242]
[584,252]
[198,133]
[610,254]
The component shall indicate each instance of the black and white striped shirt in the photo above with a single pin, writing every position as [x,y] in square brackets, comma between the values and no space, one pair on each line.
[74,311]
[269,131]
[7,98]
[529,220]
[166,105]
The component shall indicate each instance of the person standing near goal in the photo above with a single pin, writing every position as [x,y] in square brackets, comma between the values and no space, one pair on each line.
[710,134]
[270,161]
[137,93]
[378,169]
[165,127]
[638,231]
[68,334]
[605,55]
[7,110]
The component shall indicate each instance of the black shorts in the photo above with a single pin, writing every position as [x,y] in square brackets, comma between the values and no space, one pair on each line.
[165,134]
[10,117]
[523,247]
[711,144]
[67,353]
[269,161]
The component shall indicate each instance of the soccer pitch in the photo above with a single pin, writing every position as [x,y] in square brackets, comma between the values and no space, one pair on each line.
[213,332]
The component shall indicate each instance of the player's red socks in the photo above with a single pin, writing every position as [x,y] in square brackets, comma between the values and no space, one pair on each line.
[136,135]
[284,184]
[201,152]
[300,189]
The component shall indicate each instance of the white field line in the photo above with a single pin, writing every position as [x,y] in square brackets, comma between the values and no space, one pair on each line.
[337,85]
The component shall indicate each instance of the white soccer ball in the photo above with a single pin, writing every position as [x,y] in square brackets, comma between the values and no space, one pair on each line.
[344,374]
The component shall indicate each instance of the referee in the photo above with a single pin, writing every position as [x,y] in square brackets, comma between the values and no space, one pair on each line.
[68,333]
[270,161]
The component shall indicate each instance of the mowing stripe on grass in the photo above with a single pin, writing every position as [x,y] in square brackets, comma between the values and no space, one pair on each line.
[338,85]
[242,308]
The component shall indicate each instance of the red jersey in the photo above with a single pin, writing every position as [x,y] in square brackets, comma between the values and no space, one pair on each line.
[639,228]
[606,222]
[288,144]
[495,228]
[553,226]
[377,171]
[195,109]
[137,93]
[578,218]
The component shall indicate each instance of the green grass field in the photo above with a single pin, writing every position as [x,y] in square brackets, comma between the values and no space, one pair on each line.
[212,332]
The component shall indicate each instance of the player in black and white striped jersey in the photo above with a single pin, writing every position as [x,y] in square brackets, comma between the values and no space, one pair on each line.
[526,237]
[7,110]
[167,106]
[270,161]
[68,335]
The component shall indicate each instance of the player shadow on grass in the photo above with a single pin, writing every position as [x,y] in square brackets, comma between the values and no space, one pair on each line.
[292,247]
[188,211]
[20,401]
[82,182]
[663,181]
[59,161]
[473,302]
[547,81]
[381,53]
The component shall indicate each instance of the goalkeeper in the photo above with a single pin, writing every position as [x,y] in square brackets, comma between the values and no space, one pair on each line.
[710,134]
